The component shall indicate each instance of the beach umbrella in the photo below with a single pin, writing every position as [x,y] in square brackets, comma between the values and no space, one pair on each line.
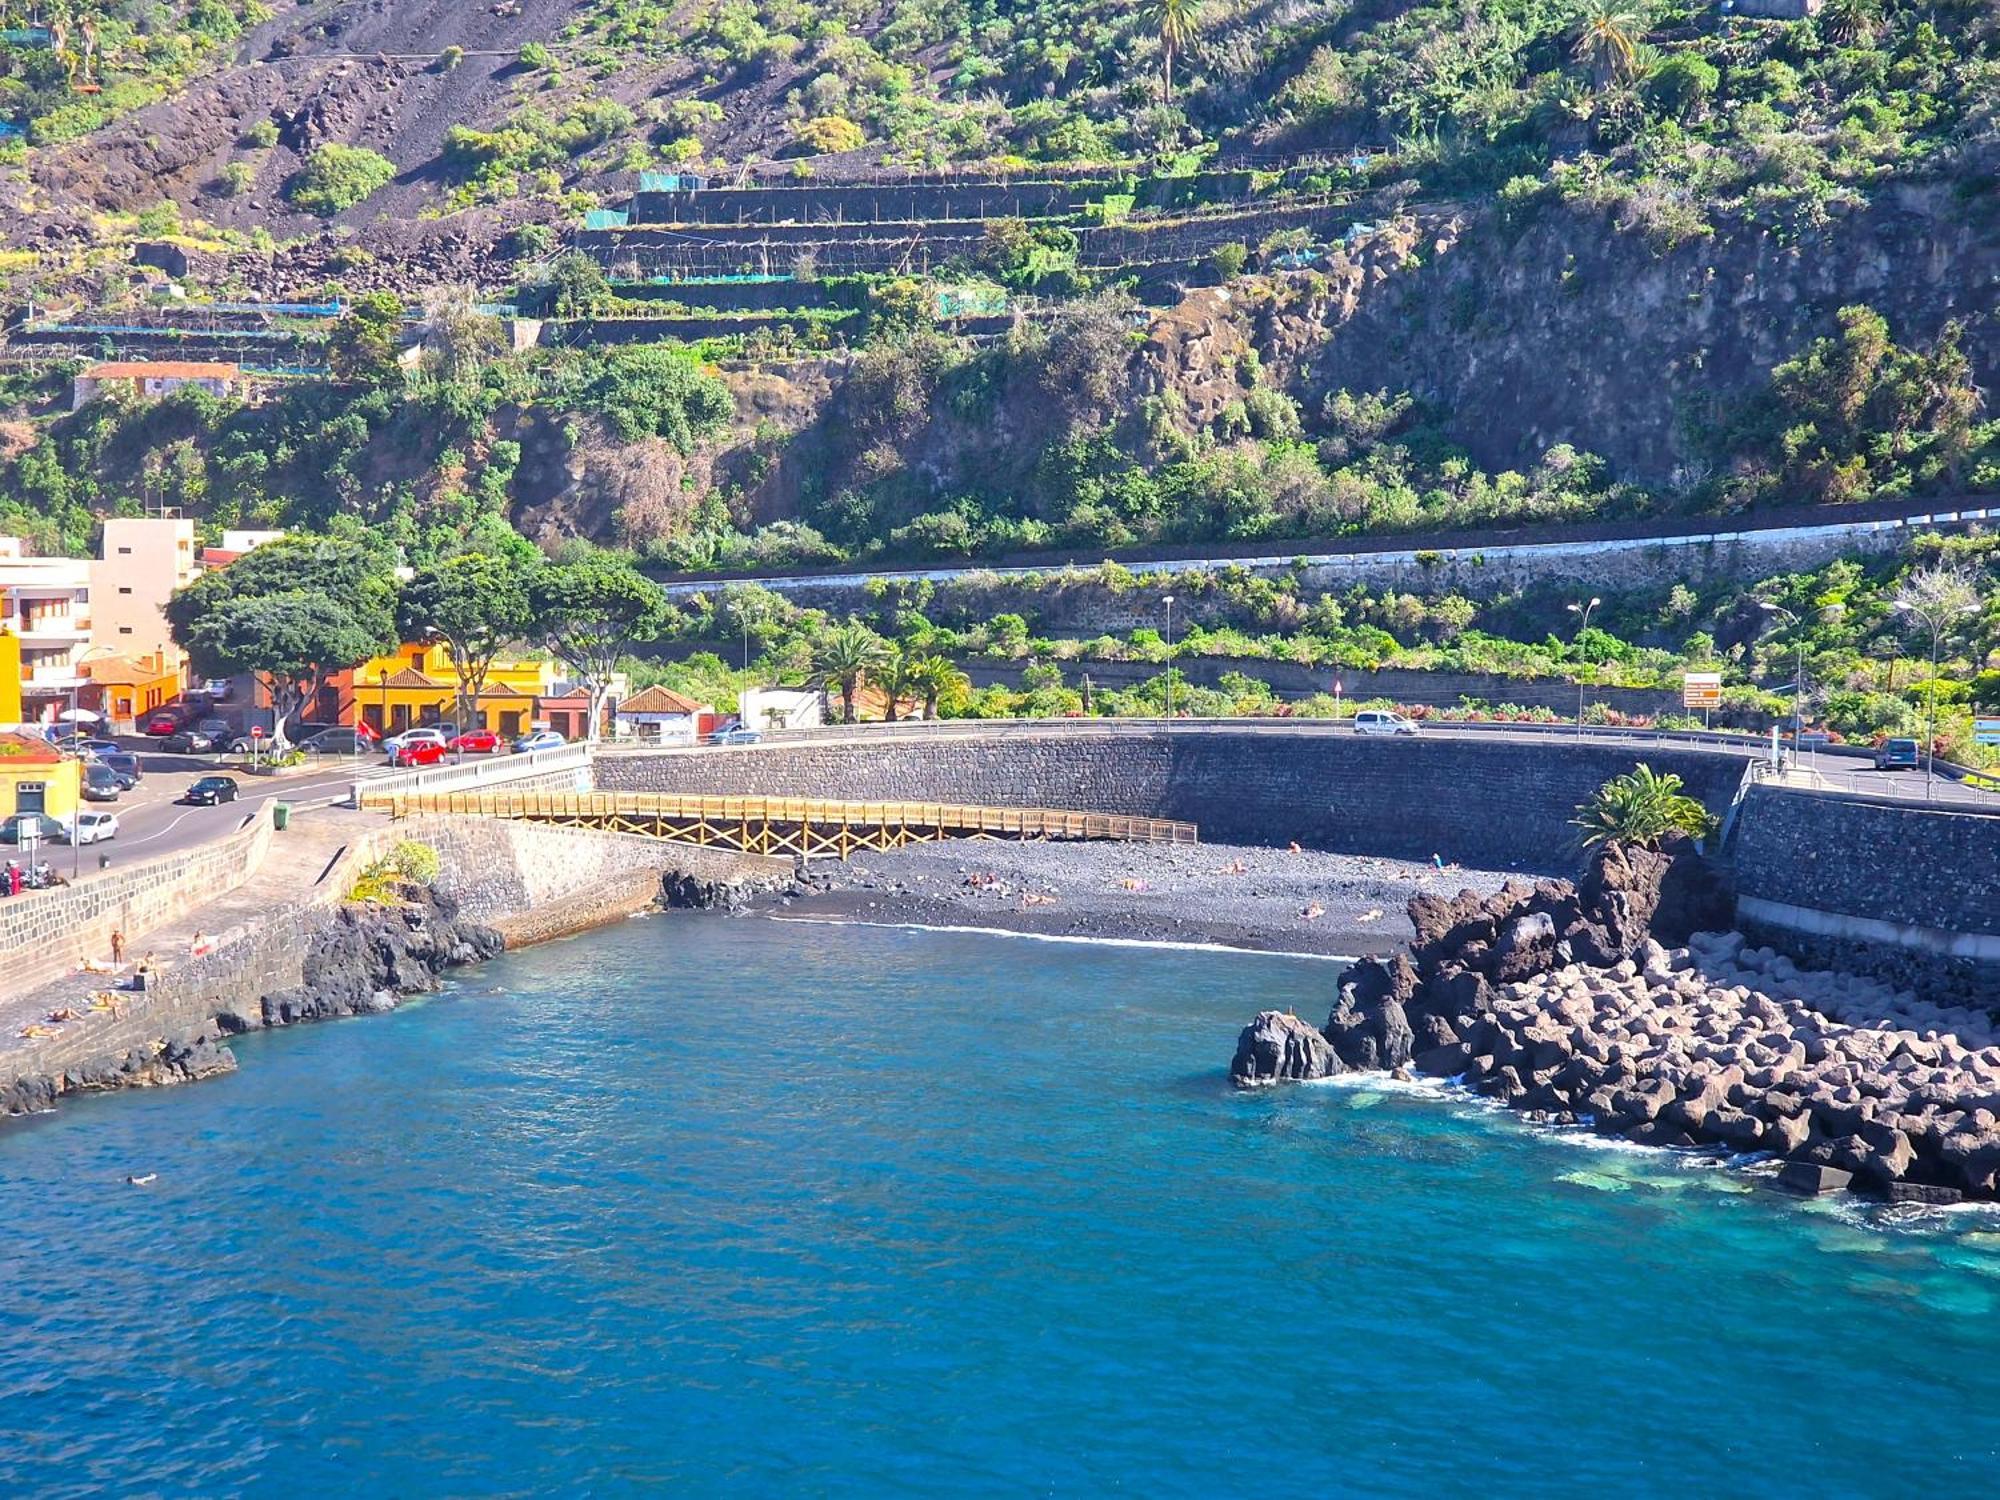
[80,716]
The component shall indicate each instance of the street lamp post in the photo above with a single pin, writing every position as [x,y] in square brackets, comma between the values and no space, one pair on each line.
[1168,600]
[1798,677]
[76,817]
[1582,612]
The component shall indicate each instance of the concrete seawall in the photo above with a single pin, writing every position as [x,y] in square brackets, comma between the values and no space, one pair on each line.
[1498,805]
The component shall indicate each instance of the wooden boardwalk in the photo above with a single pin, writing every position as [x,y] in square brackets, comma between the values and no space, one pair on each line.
[800,826]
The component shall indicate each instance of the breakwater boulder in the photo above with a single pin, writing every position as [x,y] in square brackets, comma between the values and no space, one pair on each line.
[1562,1000]
[1280,1048]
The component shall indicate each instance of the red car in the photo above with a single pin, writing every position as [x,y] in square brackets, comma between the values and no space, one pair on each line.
[164,723]
[418,753]
[477,741]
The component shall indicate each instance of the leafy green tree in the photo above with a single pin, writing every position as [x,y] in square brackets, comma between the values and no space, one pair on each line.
[337,177]
[290,613]
[589,612]
[363,345]
[478,604]
[849,653]
[1644,808]
[576,287]
[659,390]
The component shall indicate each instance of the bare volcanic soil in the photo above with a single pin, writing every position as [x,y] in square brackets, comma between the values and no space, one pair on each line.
[1264,899]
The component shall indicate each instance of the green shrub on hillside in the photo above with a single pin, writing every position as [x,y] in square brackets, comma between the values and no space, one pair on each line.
[336,177]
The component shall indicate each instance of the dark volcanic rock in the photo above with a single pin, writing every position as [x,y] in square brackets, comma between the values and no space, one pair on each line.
[1277,1047]
[1807,1178]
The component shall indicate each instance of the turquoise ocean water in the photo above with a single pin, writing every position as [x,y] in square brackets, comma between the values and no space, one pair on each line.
[736,1207]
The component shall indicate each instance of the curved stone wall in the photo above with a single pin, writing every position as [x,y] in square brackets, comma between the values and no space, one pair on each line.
[1489,803]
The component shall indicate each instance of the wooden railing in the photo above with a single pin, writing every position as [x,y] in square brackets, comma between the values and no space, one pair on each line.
[810,827]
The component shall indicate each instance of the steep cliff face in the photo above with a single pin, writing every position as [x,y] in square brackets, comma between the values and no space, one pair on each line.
[1563,329]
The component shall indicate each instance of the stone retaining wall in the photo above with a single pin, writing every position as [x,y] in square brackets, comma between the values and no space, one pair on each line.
[1902,891]
[1498,805]
[47,933]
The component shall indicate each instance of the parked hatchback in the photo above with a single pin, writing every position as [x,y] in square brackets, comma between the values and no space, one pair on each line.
[1896,755]
[188,742]
[540,739]
[417,753]
[1381,721]
[100,783]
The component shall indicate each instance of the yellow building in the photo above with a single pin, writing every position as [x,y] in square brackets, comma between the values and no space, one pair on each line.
[36,778]
[10,674]
[131,688]
[419,686]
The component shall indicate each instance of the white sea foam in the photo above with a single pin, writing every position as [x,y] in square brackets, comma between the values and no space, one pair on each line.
[1076,937]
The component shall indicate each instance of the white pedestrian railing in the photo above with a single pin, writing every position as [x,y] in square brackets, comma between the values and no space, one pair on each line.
[479,771]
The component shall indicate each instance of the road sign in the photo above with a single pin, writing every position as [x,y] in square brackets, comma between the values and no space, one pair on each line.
[1701,690]
[256,733]
[1986,731]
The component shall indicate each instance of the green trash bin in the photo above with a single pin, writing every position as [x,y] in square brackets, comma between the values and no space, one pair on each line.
[281,814]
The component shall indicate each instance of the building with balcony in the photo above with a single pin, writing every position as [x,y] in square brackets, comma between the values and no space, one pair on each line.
[144,560]
[45,606]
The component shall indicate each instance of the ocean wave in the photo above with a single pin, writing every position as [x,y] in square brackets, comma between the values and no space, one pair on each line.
[1077,937]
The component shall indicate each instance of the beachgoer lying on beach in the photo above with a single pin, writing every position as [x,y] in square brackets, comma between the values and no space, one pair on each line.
[1294,848]
[1312,911]
[1133,883]
[1370,915]
[1234,867]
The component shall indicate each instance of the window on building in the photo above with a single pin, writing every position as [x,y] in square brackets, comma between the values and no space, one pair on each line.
[123,590]
[124,629]
[124,551]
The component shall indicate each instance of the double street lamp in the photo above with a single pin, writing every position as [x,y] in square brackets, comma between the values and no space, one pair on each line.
[1582,612]
[1168,601]
[1798,674]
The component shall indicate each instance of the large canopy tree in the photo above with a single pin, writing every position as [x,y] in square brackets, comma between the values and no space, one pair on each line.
[589,613]
[289,613]
[478,604]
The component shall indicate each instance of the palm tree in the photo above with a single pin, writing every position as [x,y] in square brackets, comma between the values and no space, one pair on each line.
[1176,21]
[895,679]
[934,676]
[1850,22]
[1643,808]
[848,654]
[1607,40]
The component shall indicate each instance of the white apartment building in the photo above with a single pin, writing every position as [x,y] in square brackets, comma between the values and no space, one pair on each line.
[46,602]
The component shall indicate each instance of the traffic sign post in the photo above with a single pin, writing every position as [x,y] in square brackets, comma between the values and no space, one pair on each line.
[1702,690]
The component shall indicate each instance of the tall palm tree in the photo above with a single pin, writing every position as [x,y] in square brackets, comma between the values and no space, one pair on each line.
[1607,40]
[849,653]
[1176,21]
[1850,22]
[934,676]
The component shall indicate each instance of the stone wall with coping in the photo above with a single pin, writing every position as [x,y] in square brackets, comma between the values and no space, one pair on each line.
[1498,805]
[47,933]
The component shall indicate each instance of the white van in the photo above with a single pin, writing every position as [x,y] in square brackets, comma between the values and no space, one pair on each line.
[1381,721]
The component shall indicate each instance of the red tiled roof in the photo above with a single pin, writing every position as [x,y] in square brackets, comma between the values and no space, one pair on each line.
[409,677]
[124,671]
[26,749]
[162,369]
[659,700]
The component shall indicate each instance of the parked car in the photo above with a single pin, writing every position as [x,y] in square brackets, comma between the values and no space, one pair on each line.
[100,783]
[1381,721]
[125,766]
[217,689]
[188,742]
[339,741]
[10,828]
[166,720]
[1897,755]
[428,733]
[417,753]
[538,739]
[219,730]
[84,745]
[477,742]
[210,791]
[735,734]
[91,828]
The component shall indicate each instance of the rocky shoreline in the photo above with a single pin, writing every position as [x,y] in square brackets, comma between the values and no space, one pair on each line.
[1565,1001]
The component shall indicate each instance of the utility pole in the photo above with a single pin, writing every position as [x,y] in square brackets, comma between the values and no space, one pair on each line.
[1168,600]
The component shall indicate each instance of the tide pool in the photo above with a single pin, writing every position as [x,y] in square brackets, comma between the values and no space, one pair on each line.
[729,1206]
